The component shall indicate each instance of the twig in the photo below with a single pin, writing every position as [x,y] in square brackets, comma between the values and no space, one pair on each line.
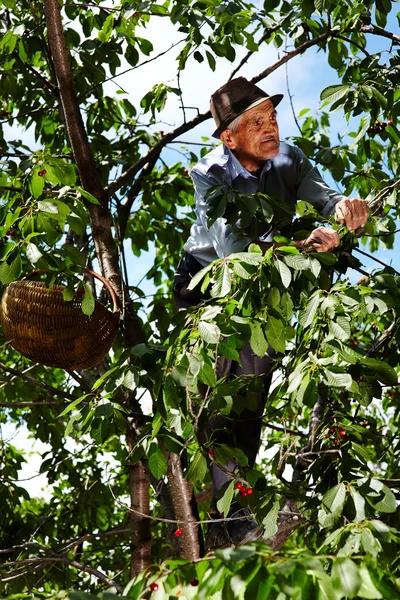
[342,37]
[262,39]
[36,382]
[291,99]
[376,260]
[377,31]
[55,557]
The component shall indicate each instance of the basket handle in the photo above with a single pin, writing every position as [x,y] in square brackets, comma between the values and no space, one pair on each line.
[89,272]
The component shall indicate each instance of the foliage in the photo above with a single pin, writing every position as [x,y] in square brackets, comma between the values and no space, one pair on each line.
[335,341]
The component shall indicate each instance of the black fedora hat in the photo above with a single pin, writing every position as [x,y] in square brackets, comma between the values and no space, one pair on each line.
[234,98]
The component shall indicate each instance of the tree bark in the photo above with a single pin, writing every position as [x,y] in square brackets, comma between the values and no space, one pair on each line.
[139,487]
[100,217]
[185,510]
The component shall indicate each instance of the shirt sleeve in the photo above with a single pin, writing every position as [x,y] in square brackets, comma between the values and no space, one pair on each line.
[225,238]
[313,189]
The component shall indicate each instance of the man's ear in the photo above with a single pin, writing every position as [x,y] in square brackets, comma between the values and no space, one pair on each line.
[227,137]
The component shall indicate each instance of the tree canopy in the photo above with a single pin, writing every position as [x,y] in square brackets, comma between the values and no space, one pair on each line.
[88,181]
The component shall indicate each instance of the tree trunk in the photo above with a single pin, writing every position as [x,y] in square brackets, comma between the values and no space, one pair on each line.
[185,510]
[139,487]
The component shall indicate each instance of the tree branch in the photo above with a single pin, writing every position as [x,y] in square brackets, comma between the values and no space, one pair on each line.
[36,382]
[374,30]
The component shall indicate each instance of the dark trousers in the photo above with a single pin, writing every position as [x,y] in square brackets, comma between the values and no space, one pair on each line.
[236,430]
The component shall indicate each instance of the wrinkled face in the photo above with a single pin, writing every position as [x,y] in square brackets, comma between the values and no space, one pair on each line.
[256,138]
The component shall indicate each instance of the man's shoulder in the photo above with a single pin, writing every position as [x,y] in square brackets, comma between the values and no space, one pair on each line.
[217,157]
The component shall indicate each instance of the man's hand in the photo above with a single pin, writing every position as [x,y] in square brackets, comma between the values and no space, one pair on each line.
[352,212]
[321,239]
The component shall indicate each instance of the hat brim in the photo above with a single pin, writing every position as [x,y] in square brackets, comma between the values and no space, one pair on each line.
[275,99]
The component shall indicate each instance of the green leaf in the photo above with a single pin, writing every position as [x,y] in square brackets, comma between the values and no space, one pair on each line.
[370,543]
[10,272]
[72,405]
[207,375]
[345,577]
[68,294]
[380,497]
[33,253]
[209,332]
[359,504]
[36,183]
[384,372]
[367,588]
[222,285]
[275,332]
[298,262]
[130,379]
[340,380]
[250,258]
[198,277]
[361,452]
[157,462]
[270,520]
[284,272]
[332,505]
[89,197]
[197,469]
[88,301]
[335,92]
[258,343]
[224,503]
[306,316]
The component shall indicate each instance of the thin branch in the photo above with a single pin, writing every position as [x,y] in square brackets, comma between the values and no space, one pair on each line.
[262,39]
[12,404]
[376,260]
[308,44]
[145,62]
[36,382]
[42,562]
[384,192]
[374,30]
[291,99]
[345,39]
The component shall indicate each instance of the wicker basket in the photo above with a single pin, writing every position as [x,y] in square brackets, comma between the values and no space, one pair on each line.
[44,327]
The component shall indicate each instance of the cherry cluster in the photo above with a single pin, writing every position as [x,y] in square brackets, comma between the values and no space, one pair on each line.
[336,434]
[11,233]
[378,127]
[42,173]
[243,490]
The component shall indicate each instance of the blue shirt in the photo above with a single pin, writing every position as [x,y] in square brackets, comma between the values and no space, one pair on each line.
[289,177]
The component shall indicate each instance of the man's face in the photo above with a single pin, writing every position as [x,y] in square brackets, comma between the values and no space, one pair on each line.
[256,139]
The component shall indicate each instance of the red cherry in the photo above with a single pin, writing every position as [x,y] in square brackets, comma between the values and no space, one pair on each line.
[390,122]
[243,492]
[186,171]
[249,491]
[8,232]
[154,587]
[135,15]
[211,453]
[80,293]
[3,75]
[342,433]
[13,233]
[41,173]
[331,430]
[178,532]
[194,582]
[238,485]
